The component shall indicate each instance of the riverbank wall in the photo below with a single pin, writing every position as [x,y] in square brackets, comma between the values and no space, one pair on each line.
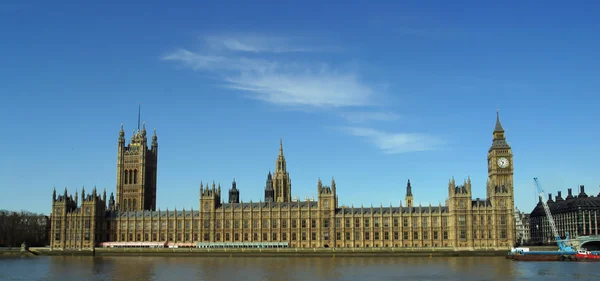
[271,252]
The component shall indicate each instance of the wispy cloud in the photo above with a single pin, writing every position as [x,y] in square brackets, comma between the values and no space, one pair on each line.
[392,143]
[281,82]
[259,43]
[366,116]
[256,65]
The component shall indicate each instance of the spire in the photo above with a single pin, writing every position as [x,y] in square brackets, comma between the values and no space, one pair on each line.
[280,146]
[408,189]
[498,128]
[139,114]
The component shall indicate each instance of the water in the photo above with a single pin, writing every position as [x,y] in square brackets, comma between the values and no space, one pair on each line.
[363,269]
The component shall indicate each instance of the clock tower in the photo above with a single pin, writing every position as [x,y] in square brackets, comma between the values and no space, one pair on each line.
[500,189]
[500,160]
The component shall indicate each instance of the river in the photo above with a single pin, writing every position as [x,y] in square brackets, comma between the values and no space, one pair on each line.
[286,268]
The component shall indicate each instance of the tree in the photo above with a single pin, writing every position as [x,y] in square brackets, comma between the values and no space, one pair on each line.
[24,226]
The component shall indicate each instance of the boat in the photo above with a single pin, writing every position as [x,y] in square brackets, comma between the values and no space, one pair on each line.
[585,255]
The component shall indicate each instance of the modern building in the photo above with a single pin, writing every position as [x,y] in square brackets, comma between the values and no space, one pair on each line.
[131,219]
[577,215]
[522,227]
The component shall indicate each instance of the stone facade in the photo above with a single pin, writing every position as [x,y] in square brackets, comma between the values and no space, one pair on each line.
[522,227]
[462,223]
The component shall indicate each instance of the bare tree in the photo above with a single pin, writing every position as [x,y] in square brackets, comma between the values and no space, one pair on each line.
[24,226]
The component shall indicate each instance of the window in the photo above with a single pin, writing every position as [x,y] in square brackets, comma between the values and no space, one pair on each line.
[283,223]
[294,223]
[435,221]
[356,222]
[348,223]
[405,235]
[425,222]
[265,237]
[303,223]
[274,236]
[376,222]
[227,224]
[303,236]
[325,222]
[386,222]
[502,233]
[226,236]
[445,221]
[376,235]
[367,235]
[313,223]
[245,224]
[463,234]
[338,236]
[245,236]
[435,235]
[395,222]
[255,237]
[416,235]
[357,235]
[206,237]
[405,222]
[415,222]
[396,235]
[338,222]
[236,224]
[462,220]
[386,235]
[283,236]
[325,236]
[265,223]
[326,204]
[274,223]
[313,236]
[366,224]
[425,235]
[236,236]
[293,236]
[347,236]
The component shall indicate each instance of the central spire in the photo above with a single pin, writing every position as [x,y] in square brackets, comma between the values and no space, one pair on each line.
[281,146]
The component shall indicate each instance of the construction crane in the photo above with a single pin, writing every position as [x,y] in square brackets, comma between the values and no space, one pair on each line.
[562,243]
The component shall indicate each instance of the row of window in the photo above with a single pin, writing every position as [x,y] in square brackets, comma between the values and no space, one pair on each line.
[302,236]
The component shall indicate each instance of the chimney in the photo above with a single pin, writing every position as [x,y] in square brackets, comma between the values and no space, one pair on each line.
[569,193]
[549,197]
[582,191]
[559,197]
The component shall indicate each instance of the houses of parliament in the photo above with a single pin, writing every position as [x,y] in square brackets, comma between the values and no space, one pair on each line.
[129,217]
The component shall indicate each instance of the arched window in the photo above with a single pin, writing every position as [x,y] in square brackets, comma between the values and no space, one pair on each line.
[130,176]
[133,207]
[135,176]
[126,176]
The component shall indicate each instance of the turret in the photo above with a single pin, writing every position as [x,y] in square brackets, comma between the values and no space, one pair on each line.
[269,192]
[234,194]
[409,195]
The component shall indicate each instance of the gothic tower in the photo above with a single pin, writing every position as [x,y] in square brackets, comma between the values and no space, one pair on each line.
[282,184]
[136,171]
[500,188]
[409,195]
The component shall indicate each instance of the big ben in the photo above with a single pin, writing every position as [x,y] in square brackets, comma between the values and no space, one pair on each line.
[500,160]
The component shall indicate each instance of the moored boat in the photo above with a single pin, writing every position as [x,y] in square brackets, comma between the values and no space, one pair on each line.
[585,255]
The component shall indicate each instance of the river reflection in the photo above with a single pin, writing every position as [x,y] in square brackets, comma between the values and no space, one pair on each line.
[191,268]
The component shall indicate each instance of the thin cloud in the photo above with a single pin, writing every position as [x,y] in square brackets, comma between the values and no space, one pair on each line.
[365,116]
[282,83]
[392,143]
[260,44]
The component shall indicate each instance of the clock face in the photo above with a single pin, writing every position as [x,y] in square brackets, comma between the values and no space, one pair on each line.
[502,162]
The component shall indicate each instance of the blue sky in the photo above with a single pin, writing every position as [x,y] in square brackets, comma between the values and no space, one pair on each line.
[372,95]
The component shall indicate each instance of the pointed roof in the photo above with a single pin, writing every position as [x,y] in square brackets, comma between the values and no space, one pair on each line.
[498,128]
[280,146]
[408,189]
